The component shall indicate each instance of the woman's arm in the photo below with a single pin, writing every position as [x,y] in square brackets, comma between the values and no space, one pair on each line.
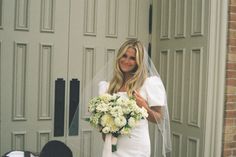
[154,113]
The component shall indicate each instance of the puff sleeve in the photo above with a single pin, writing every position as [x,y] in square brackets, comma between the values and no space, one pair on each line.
[155,91]
[102,87]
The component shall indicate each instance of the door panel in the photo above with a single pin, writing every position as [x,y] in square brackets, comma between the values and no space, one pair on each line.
[182,59]
[34,54]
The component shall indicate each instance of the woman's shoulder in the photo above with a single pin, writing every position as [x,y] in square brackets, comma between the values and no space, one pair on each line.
[155,91]
[102,87]
[103,83]
[152,80]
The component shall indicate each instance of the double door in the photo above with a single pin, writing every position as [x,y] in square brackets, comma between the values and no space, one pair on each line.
[49,50]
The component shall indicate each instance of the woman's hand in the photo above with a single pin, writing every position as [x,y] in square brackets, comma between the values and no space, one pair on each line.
[141,102]
[154,113]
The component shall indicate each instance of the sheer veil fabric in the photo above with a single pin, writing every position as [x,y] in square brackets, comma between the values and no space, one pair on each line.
[90,89]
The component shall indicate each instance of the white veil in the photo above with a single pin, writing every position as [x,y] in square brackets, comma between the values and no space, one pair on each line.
[105,73]
[163,126]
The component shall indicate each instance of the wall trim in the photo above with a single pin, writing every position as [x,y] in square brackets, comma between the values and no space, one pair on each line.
[218,14]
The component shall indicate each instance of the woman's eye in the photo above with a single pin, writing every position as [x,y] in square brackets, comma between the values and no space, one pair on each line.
[129,57]
[124,56]
[132,58]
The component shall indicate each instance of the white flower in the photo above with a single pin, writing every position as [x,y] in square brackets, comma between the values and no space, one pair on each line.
[120,121]
[126,110]
[144,112]
[116,111]
[106,120]
[132,122]
[106,130]
[94,119]
[125,131]
[122,101]
[114,128]
[92,106]
[106,98]
[102,107]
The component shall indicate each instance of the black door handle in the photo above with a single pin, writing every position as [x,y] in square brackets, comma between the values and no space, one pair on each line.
[74,106]
[59,107]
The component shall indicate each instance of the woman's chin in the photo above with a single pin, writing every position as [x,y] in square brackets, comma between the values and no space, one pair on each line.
[126,71]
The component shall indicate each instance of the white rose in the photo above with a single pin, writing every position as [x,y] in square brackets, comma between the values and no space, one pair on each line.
[116,111]
[106,120]
[106,130]
[121,101]
[102,107]
[106,97]
[120,121]
[144,112]
[125,131]
[126,110]
[132,122]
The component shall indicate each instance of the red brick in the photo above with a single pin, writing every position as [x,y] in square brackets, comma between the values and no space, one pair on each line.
[230,114]
[232,52]
[232,24]
[232,2]
[232,123]
[229,122]
[232,17]
[230,74]
[229,129]
[230,106]
[230,90]
[232,9]
[230,145]
[231,57]
[231,98]
[231,66]
[227,153]
[232,49]
[232,42]
[232,33]
[231,82]
[234,152]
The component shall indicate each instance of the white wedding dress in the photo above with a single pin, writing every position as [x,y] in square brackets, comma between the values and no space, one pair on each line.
[138,143]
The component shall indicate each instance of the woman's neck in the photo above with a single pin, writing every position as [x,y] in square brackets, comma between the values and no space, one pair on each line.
[127,76]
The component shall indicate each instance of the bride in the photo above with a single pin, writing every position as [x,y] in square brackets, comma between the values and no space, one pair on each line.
[135,75]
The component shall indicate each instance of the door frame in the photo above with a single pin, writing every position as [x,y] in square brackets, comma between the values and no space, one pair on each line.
[218,27]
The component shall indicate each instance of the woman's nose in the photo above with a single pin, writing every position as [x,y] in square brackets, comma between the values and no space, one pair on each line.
[126,60]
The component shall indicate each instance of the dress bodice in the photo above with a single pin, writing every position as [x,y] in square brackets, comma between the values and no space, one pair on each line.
[152,91]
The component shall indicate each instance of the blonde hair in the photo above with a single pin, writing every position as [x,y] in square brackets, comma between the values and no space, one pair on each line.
[139,75]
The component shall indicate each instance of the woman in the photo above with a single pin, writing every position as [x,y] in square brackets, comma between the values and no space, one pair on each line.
[133,76]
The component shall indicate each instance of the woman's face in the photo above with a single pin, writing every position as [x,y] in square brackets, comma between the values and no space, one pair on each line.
[127,62]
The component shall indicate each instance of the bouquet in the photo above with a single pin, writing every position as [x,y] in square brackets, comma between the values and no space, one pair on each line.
[114,114]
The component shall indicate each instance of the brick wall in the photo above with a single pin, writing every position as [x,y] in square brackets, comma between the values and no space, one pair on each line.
[229,138]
